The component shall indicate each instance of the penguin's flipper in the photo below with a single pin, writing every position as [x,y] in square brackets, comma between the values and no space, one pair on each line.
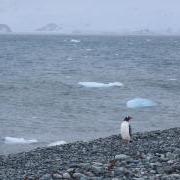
[130,131]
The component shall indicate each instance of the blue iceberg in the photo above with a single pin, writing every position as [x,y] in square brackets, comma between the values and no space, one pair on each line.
[139,103]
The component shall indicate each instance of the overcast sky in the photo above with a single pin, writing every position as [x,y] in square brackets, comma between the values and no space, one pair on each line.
[106,15]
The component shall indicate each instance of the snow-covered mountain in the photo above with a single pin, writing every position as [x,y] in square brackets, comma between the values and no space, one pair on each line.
[51,27]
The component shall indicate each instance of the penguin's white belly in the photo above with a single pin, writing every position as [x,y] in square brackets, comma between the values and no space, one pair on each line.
[125,131]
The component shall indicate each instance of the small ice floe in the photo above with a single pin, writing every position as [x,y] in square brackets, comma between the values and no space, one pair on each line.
[57,143]
[139,103]
[99,85]
[14,140]
[75,41]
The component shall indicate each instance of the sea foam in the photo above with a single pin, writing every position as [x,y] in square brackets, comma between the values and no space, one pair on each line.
[172,79]
[99,85]
[14,140]
[75,40]
[56,143]
[139,103]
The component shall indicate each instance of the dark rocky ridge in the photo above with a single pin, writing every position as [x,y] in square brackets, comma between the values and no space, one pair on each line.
[152,155]
[5,28]
[50,28]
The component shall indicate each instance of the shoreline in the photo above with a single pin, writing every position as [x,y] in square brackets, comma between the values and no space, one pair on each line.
[151,155]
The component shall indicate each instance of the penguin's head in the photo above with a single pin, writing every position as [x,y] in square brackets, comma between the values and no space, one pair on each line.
[127,118]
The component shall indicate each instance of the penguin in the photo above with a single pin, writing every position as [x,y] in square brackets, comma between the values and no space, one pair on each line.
[126,131]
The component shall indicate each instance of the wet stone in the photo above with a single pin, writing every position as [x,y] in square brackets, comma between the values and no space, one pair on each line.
[97,170]
[78,175]
[66,176]
[57,176]
[90,174]
[121,157]
[46,177]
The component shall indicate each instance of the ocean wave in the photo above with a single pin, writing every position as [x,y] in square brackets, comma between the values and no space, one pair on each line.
[14,140]
[99,85]
[172,79]
[75,41]
[56,143]
[69,59]
[88,49]
[139,103]
[148,40]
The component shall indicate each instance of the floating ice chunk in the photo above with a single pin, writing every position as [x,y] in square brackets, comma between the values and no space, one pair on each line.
[14,140]
[57,143]
[140,102]
[75,40]
[99,85]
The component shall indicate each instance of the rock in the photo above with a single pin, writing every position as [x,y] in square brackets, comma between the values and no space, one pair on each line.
[97,164]
[155,165]
[85,165]
[29,177]
[78,175]
[57,176]
[162,156]
[170,156]
[66,176]
[177,152]
[153,171]
[97,170]
[170,162]
[121,157]
[170,177]
[122,171]
[119,171]
[46,177]
[71,170]
[75,166]
[177,176]
[90,174]
[149,157]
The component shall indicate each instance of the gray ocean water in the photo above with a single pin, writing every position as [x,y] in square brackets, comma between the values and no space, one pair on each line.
[40,97]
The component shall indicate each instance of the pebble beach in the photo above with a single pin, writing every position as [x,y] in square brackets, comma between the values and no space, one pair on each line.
[151,155]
